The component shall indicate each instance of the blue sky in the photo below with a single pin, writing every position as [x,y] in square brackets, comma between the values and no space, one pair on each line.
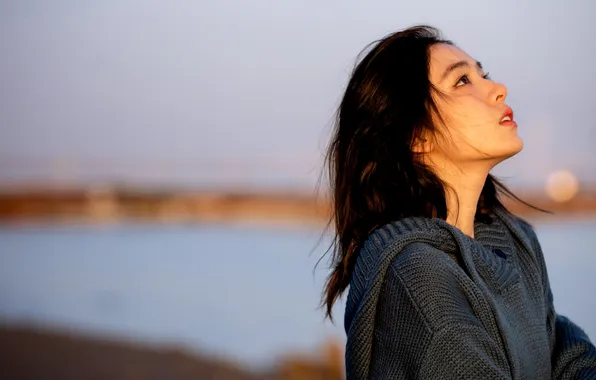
[222,93]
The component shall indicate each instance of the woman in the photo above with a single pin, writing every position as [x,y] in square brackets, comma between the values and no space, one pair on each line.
[444,282]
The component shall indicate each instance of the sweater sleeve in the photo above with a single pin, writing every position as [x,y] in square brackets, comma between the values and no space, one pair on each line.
[573,355]
[426,327]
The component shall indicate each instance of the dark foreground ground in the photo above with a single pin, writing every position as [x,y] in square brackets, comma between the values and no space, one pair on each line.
[34,354]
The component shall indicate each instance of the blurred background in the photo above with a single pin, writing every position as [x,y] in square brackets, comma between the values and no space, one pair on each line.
[159,164]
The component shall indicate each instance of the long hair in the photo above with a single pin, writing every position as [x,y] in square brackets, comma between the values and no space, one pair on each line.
[375,176]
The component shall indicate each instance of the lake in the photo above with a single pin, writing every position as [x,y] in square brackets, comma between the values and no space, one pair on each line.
[245,292]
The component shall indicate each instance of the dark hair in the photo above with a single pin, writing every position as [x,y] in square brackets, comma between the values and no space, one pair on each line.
[375,177]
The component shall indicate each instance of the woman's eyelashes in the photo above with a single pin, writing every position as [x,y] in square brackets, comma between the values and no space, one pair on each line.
[464,79]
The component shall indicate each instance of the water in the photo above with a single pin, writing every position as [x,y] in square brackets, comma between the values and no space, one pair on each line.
[244,292]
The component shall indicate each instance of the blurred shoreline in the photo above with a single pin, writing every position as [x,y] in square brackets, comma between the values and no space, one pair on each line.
[103,204]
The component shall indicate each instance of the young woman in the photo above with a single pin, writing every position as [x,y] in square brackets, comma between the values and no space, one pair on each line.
[444,282]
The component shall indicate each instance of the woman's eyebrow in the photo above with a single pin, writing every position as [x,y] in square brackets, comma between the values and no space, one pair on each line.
[457,65]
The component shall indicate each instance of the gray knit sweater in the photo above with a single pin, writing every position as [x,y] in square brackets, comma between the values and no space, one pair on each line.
[429,302]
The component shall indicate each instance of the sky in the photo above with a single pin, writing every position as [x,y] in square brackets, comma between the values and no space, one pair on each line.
[235,93]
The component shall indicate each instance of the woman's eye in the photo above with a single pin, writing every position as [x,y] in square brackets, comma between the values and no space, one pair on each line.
[463,80]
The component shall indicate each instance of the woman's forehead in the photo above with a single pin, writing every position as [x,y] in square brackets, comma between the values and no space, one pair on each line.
[443,55]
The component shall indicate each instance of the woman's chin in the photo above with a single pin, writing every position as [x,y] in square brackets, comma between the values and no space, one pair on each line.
[518,146]
[507,152]
[513,151]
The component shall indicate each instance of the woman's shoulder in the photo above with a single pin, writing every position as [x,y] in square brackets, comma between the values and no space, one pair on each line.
[413,233]
[434,284]
[524,225]
[423,255]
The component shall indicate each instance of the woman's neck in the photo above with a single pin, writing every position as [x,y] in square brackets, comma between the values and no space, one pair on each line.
[462,197]
[463,214]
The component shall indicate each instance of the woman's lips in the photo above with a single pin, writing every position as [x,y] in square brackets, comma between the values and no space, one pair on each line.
[507,118]
[510,123]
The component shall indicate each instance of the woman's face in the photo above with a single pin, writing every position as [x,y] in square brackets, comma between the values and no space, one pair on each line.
[473,110]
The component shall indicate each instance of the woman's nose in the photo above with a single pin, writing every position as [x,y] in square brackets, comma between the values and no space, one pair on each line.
[499,92]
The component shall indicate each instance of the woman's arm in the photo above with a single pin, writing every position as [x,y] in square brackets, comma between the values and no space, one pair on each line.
[573,356]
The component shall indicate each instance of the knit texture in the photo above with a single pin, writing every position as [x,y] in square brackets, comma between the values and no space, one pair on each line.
[429,302]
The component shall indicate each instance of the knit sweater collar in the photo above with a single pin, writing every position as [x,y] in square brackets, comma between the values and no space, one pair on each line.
[494,234]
